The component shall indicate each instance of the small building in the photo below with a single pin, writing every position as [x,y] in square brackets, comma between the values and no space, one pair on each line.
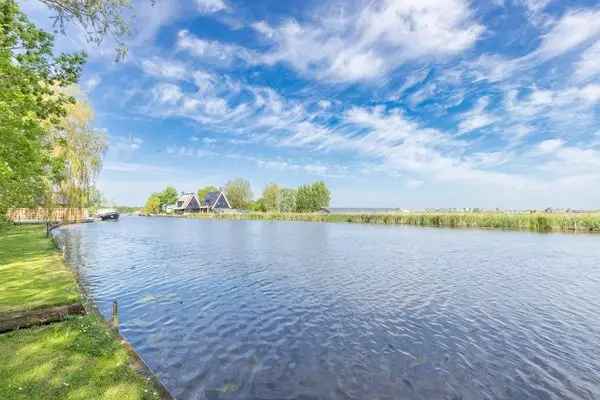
[187,203]
[216,201]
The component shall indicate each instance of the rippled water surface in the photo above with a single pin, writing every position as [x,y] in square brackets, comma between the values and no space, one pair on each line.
[294,310]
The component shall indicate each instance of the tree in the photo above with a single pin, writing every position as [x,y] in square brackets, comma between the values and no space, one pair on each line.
[168,196]
[202,192]
[29,103]
[272,197]
[258,205]
[97,18]
[81,149]
[304,199]
[238,193]
[152,204]
[288,200]
[310,198]
[321,195]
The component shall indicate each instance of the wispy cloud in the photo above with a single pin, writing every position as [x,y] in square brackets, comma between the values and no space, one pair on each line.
[477,118]
[373,39]
[211,6]
[130,167]
[214,52]
[162,68]
[588,66]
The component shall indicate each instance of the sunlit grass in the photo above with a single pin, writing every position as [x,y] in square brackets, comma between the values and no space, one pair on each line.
[32,272]
[538,222]
[71,360]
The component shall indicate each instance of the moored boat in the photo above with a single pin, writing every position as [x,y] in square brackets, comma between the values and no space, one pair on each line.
[109,216]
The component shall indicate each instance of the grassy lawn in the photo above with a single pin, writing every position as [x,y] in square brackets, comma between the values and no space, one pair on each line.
[32,272]
[75,359]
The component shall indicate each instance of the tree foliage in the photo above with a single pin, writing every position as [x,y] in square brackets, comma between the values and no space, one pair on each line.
[272,197]
[238,193]
[202,192]
[257,206]
[98,19]
[310,198]
[288,200]
[80,148]
[30,73]
[168,196]
[152,205]
[157,201]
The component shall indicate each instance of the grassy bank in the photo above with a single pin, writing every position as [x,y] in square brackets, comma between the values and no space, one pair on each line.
[542,222]
[75,359]
[79,358]
[32,272]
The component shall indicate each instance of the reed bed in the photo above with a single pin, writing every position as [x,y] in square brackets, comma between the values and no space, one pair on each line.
[537,222]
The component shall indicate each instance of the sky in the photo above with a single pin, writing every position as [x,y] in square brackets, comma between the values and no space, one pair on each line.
[393,103]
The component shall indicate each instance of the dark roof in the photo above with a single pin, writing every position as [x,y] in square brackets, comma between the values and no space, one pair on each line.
[211,198]
[185,200]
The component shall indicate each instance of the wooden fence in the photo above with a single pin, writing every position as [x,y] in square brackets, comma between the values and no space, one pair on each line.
[38,215]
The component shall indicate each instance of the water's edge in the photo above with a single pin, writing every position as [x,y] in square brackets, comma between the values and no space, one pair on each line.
[541,223]
[135,359]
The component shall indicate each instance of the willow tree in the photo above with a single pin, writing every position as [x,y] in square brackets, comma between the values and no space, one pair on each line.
[81,148]
[97,18]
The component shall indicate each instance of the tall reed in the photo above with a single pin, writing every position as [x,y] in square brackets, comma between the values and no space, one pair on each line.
[538,222]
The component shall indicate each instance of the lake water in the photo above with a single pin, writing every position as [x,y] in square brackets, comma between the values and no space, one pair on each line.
[297,310]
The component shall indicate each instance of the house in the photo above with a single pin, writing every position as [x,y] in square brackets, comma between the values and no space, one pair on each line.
[216,201]
[187,203]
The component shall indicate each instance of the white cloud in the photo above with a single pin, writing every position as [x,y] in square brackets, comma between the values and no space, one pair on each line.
[477,118]
[572,30]
[589,63]
[135,167]
[189,151]
[211,6]
[168,69]
[535,11]
[549,146]
[375,39]
[263,28]
[324,104]
[167,93]
[214,52]
[91,83]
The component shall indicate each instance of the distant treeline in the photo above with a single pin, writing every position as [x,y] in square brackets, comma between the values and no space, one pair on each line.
[494,220]
[304,198]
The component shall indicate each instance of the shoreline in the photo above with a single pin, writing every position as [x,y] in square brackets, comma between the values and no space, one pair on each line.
[135,359]
[535,222]
[80,349]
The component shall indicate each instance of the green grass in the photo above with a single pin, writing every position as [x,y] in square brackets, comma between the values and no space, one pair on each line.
[71,360]
[32,272]
[76,359]
[538,222]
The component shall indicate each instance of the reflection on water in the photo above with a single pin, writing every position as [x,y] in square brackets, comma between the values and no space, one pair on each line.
[293,310]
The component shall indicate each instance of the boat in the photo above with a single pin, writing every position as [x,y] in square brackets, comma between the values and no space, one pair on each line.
[109,216]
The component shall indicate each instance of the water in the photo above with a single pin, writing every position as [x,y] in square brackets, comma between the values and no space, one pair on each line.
[295,310]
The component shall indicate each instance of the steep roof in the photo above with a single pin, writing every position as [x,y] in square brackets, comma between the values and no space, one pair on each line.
[212,197]
[184,200]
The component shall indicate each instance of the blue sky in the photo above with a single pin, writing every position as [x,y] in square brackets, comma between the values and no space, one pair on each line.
[393,103]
